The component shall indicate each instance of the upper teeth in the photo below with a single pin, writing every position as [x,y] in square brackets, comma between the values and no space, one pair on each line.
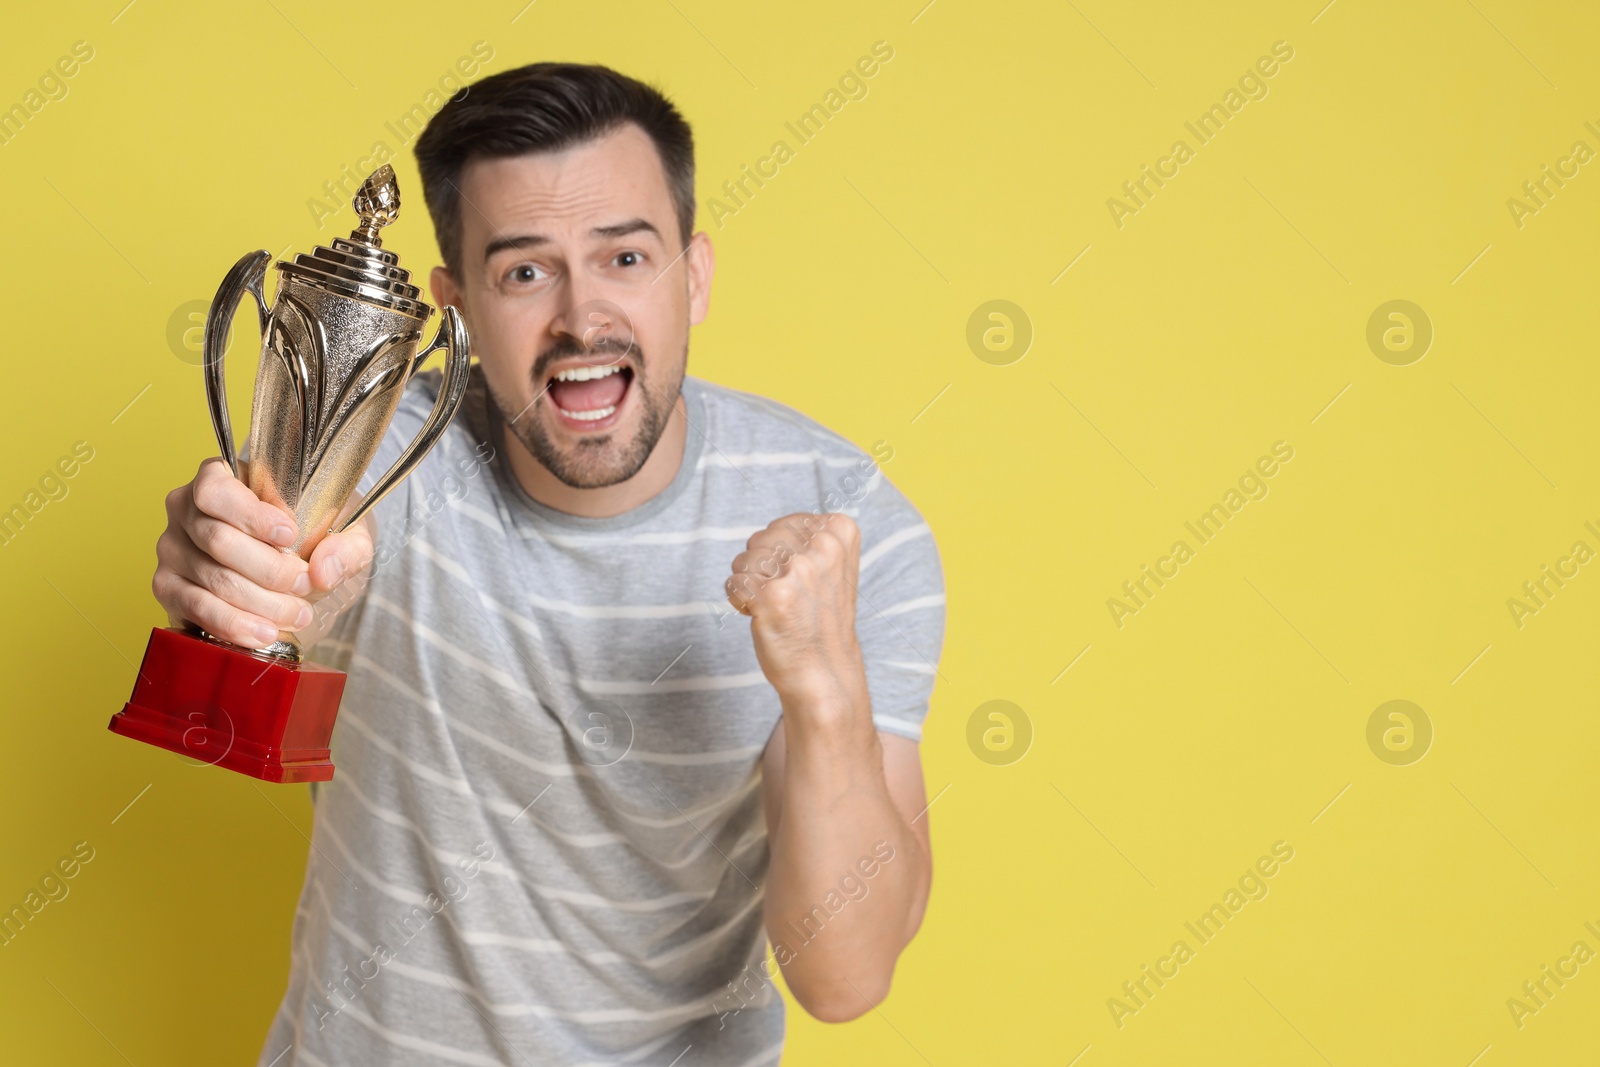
[584,374]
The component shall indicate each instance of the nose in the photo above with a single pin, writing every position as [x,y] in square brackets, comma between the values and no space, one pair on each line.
[593,322]
[575,317]
[597,323]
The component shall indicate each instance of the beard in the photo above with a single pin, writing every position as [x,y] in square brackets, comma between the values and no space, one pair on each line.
[600,460]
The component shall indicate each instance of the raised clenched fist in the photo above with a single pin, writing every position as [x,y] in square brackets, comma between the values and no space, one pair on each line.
[796,579]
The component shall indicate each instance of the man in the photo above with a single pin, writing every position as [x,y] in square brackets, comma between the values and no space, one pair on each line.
[637,663]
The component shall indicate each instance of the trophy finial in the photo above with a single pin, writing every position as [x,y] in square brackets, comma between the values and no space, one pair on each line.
[378,204]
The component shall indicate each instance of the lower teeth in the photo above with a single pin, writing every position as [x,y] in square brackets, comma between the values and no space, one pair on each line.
[588,416]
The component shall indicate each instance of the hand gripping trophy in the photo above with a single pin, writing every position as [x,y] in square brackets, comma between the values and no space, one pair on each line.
[338,346]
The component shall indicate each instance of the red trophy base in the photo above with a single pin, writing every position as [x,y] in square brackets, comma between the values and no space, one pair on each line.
[270,719]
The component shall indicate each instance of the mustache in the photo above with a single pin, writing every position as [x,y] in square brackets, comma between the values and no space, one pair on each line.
[605,350]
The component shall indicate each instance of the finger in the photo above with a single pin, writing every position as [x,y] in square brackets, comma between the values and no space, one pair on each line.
[217,493]
[284,611]
[830,532]
[787,538]
[833,539]
[770,564]
[844,529]
[797,528]
[742,590]
[180,557]
[768,558]
[805,526]
[342,556]
[763,564]
[188,602]
[339,557]
[744,584]
[266,566]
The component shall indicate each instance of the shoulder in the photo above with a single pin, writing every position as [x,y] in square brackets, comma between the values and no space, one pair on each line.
[762,437]
[758,434]
[739,417]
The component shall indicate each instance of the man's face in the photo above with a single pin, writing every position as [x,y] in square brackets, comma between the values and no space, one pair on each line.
[579,297]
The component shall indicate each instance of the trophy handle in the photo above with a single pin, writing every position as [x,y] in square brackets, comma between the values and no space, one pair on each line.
[452,337]
[247,276]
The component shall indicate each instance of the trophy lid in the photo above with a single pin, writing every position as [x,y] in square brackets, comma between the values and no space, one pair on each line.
[358,266]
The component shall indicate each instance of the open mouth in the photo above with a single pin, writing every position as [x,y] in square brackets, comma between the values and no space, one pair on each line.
[587,398]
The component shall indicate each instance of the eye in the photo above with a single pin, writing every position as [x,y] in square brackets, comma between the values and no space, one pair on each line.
[524,274]
[629,259]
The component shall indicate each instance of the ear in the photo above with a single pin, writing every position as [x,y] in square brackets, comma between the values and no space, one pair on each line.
[702,263]
[445,291]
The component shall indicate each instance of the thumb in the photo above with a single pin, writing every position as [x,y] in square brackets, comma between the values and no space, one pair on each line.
[341,556]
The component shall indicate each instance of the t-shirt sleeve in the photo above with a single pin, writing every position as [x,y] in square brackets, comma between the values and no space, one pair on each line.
[900,609]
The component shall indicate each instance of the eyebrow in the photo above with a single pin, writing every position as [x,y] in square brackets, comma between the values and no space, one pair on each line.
[533,240]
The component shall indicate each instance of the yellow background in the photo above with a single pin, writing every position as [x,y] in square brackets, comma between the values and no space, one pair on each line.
[1223,317]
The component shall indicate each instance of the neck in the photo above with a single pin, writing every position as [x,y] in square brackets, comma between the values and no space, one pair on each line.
[656,474]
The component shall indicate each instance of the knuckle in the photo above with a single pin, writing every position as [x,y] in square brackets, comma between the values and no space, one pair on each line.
[285,569]
[239,624]
[206,533]
[227,586]
[188,602]
[286,611]
[360,538]
[206,493]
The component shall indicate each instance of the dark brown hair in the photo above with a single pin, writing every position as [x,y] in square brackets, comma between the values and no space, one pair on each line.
[545,107]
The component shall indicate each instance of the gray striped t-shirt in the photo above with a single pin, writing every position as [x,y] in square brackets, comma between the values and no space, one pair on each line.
[545,840]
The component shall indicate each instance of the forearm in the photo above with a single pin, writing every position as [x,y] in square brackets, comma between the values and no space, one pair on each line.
[848,878]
